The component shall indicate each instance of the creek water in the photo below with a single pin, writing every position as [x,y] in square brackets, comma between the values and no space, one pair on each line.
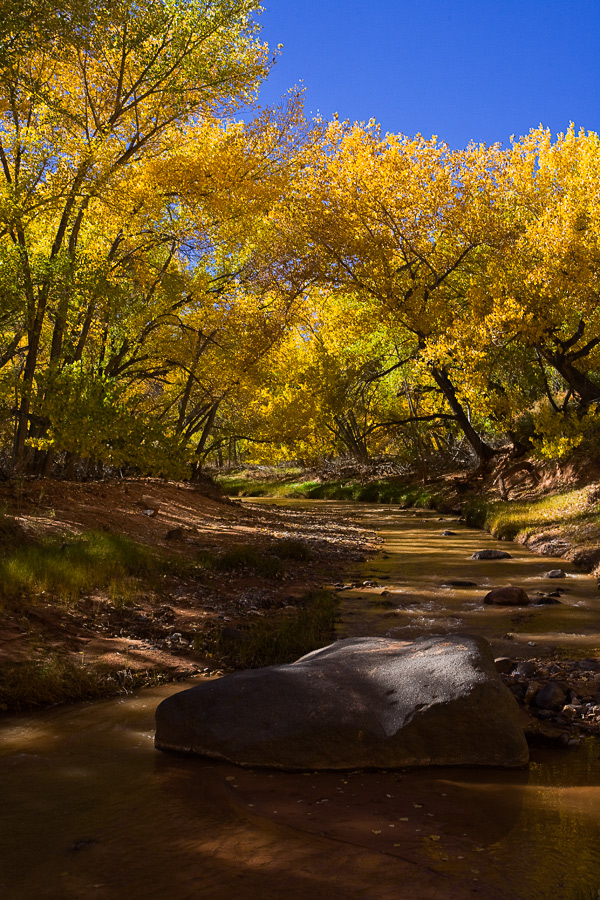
[90,810]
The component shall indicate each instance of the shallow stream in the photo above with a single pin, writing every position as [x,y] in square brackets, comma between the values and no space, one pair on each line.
[90,810]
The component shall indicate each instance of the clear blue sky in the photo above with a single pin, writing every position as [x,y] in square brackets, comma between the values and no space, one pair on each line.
[464,70]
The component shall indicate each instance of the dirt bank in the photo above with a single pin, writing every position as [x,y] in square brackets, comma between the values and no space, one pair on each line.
[159,630]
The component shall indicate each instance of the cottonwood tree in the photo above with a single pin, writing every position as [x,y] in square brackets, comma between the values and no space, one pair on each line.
[79,123]
[402,223]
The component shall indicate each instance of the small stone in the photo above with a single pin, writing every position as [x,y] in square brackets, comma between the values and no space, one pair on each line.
[550,696]
[556,573]
[546,600]
[448,533]
[504,664]
[588,665]
[532,688]
[524,669]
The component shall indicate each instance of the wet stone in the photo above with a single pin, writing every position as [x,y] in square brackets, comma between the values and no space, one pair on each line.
[556,573]
[491,554]
[507,596]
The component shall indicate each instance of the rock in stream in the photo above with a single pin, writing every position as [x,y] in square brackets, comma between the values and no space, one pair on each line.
[358,703]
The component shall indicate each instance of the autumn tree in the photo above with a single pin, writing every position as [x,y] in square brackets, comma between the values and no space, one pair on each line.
[402,223]
[79,126]
[541,291]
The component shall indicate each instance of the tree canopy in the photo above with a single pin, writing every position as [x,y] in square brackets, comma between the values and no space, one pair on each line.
[181,274]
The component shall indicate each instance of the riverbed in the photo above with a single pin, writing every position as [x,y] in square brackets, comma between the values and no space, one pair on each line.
[91,810]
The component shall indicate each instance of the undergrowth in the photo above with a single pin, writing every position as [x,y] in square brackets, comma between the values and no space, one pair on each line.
[53,678]
[509,519]
[273,642]
[68,567]
[267,561]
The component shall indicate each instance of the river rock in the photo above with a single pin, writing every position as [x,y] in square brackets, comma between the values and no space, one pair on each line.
[546,600]
[556,573]
[524,669]
[358,703]
[550,696]
[507,596]
[504,664]
[491,554]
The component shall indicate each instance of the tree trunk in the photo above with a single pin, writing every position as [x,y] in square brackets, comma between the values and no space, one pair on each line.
[579,383]
[484,452]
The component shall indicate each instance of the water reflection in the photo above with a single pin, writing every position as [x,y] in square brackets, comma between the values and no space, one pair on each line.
[91,810]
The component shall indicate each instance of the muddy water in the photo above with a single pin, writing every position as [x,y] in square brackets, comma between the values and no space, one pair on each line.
[90,810]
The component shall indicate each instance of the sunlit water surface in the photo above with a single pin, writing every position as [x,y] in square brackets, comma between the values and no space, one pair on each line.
[90,810]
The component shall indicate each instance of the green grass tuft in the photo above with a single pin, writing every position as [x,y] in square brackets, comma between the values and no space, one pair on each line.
[69,567]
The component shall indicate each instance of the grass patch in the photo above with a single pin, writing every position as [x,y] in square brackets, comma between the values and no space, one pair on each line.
[266,561]
[252,559]
[291,549]
[273,642]
[509,519]
[69,567]
[377,491]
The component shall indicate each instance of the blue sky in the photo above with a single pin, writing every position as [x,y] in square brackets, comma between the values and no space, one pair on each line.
[461,69]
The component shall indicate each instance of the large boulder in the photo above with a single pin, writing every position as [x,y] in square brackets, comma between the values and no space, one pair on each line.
[358,703]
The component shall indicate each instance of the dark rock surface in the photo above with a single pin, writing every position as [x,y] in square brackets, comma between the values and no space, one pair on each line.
[545,600]
[507,596]
[359,703]
[550,696]
[491,554]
